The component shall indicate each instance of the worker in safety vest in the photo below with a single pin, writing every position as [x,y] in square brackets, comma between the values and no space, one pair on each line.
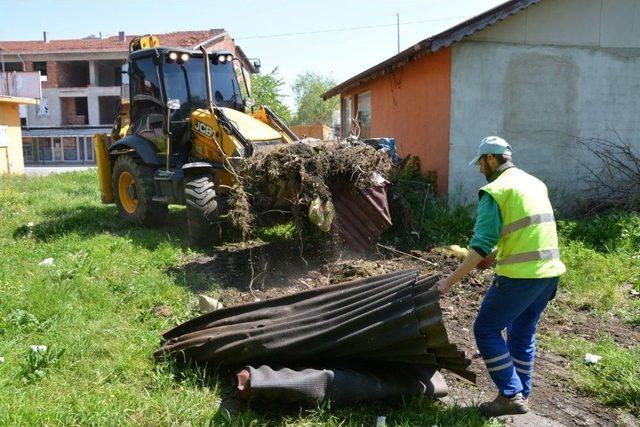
[514,216]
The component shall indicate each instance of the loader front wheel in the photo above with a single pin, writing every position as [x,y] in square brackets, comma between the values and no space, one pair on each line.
[133,189]
[202,210]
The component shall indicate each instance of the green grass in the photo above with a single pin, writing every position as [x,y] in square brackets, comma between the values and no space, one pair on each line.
[602,254]
[94,310]
[615,380]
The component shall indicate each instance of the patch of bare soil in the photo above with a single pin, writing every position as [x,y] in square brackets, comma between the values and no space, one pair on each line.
[248,272]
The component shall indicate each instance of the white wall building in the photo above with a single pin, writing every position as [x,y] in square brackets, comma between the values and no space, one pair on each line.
[81,81]
[553,73]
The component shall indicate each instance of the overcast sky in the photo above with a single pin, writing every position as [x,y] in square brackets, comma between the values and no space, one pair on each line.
[339,38]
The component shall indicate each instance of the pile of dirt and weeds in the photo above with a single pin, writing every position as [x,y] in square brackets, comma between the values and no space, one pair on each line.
[246,271]
[290,177]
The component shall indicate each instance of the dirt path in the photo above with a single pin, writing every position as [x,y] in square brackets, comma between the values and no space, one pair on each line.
[277,270]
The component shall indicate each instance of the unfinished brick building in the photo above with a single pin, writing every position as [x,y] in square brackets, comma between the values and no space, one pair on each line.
[81,88]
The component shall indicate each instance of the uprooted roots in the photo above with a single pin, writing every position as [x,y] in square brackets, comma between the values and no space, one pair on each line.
[290,177]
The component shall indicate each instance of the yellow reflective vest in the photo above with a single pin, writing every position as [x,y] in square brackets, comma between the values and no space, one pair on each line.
[528,244]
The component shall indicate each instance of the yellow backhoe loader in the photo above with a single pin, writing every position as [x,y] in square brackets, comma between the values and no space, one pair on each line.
[181,129]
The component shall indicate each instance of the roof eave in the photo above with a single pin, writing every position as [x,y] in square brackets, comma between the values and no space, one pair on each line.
[434,43]
[17,100]
[50,52]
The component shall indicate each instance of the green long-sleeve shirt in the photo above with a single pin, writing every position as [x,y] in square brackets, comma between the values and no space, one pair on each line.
[486,231]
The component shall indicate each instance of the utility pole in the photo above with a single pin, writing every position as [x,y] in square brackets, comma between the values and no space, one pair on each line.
[398,27]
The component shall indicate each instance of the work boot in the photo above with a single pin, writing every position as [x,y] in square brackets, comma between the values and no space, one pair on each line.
[505,406]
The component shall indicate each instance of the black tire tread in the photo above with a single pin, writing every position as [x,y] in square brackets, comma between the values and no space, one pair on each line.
[149,213]
[202,210]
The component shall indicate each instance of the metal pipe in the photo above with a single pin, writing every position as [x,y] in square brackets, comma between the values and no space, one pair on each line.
[398,27]
[207,79]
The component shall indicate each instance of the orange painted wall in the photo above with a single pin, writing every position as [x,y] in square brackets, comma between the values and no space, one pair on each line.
[413,105]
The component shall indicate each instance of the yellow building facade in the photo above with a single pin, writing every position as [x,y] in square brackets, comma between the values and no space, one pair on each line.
[11,161]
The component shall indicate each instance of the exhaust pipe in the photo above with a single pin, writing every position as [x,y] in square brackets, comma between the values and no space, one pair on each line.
[207,72]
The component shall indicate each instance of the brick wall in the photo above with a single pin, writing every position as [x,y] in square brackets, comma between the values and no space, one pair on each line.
[52,74]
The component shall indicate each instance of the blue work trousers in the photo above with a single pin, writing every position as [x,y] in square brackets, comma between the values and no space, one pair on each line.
[514,304]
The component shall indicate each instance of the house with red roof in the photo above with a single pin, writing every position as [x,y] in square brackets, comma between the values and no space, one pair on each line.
[81,87]
[546,75]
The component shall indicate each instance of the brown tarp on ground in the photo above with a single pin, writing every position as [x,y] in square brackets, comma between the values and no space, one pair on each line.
[393,317]
[340,385]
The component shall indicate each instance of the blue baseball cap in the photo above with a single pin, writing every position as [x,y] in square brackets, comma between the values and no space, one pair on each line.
[491,145]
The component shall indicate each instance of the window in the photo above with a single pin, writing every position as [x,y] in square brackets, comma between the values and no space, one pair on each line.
[73,73]
[108,72]
[12,66]
[44,145]
[144,78]
[145,89]
[82,108]
[74,111]
[346,116]
[124,87]
[57,149]
[89,148]
[108,108]
[40,66]
[70,148]
[364,114]
[186,82]
[27,149]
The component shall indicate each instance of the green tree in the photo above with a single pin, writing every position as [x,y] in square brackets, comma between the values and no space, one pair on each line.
[307,90]
[266,90]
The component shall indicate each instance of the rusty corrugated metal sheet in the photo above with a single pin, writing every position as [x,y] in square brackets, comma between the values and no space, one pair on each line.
[394,317]
[361,216]
[434,43]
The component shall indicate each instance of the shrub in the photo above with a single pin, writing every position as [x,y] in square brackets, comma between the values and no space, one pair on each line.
[419,215]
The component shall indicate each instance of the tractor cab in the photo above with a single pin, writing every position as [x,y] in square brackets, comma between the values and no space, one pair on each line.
[166,85]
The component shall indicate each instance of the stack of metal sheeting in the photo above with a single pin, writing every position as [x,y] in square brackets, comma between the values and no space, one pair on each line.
[392,318]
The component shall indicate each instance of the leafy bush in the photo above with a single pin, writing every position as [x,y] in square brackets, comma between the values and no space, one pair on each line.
[604,232]
[419,215]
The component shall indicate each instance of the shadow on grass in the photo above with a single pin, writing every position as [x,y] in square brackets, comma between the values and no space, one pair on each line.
[88,221]
[268,264]
[410,411]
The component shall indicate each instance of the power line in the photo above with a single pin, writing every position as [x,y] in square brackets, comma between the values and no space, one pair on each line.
[337,30]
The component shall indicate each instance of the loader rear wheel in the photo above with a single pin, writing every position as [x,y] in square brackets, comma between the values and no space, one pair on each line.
[202,210]
[133,189]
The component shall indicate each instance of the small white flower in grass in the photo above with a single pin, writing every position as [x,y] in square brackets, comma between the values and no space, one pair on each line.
[39,348]
[591,359]
[31,224]
[1,359]
[48,261]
